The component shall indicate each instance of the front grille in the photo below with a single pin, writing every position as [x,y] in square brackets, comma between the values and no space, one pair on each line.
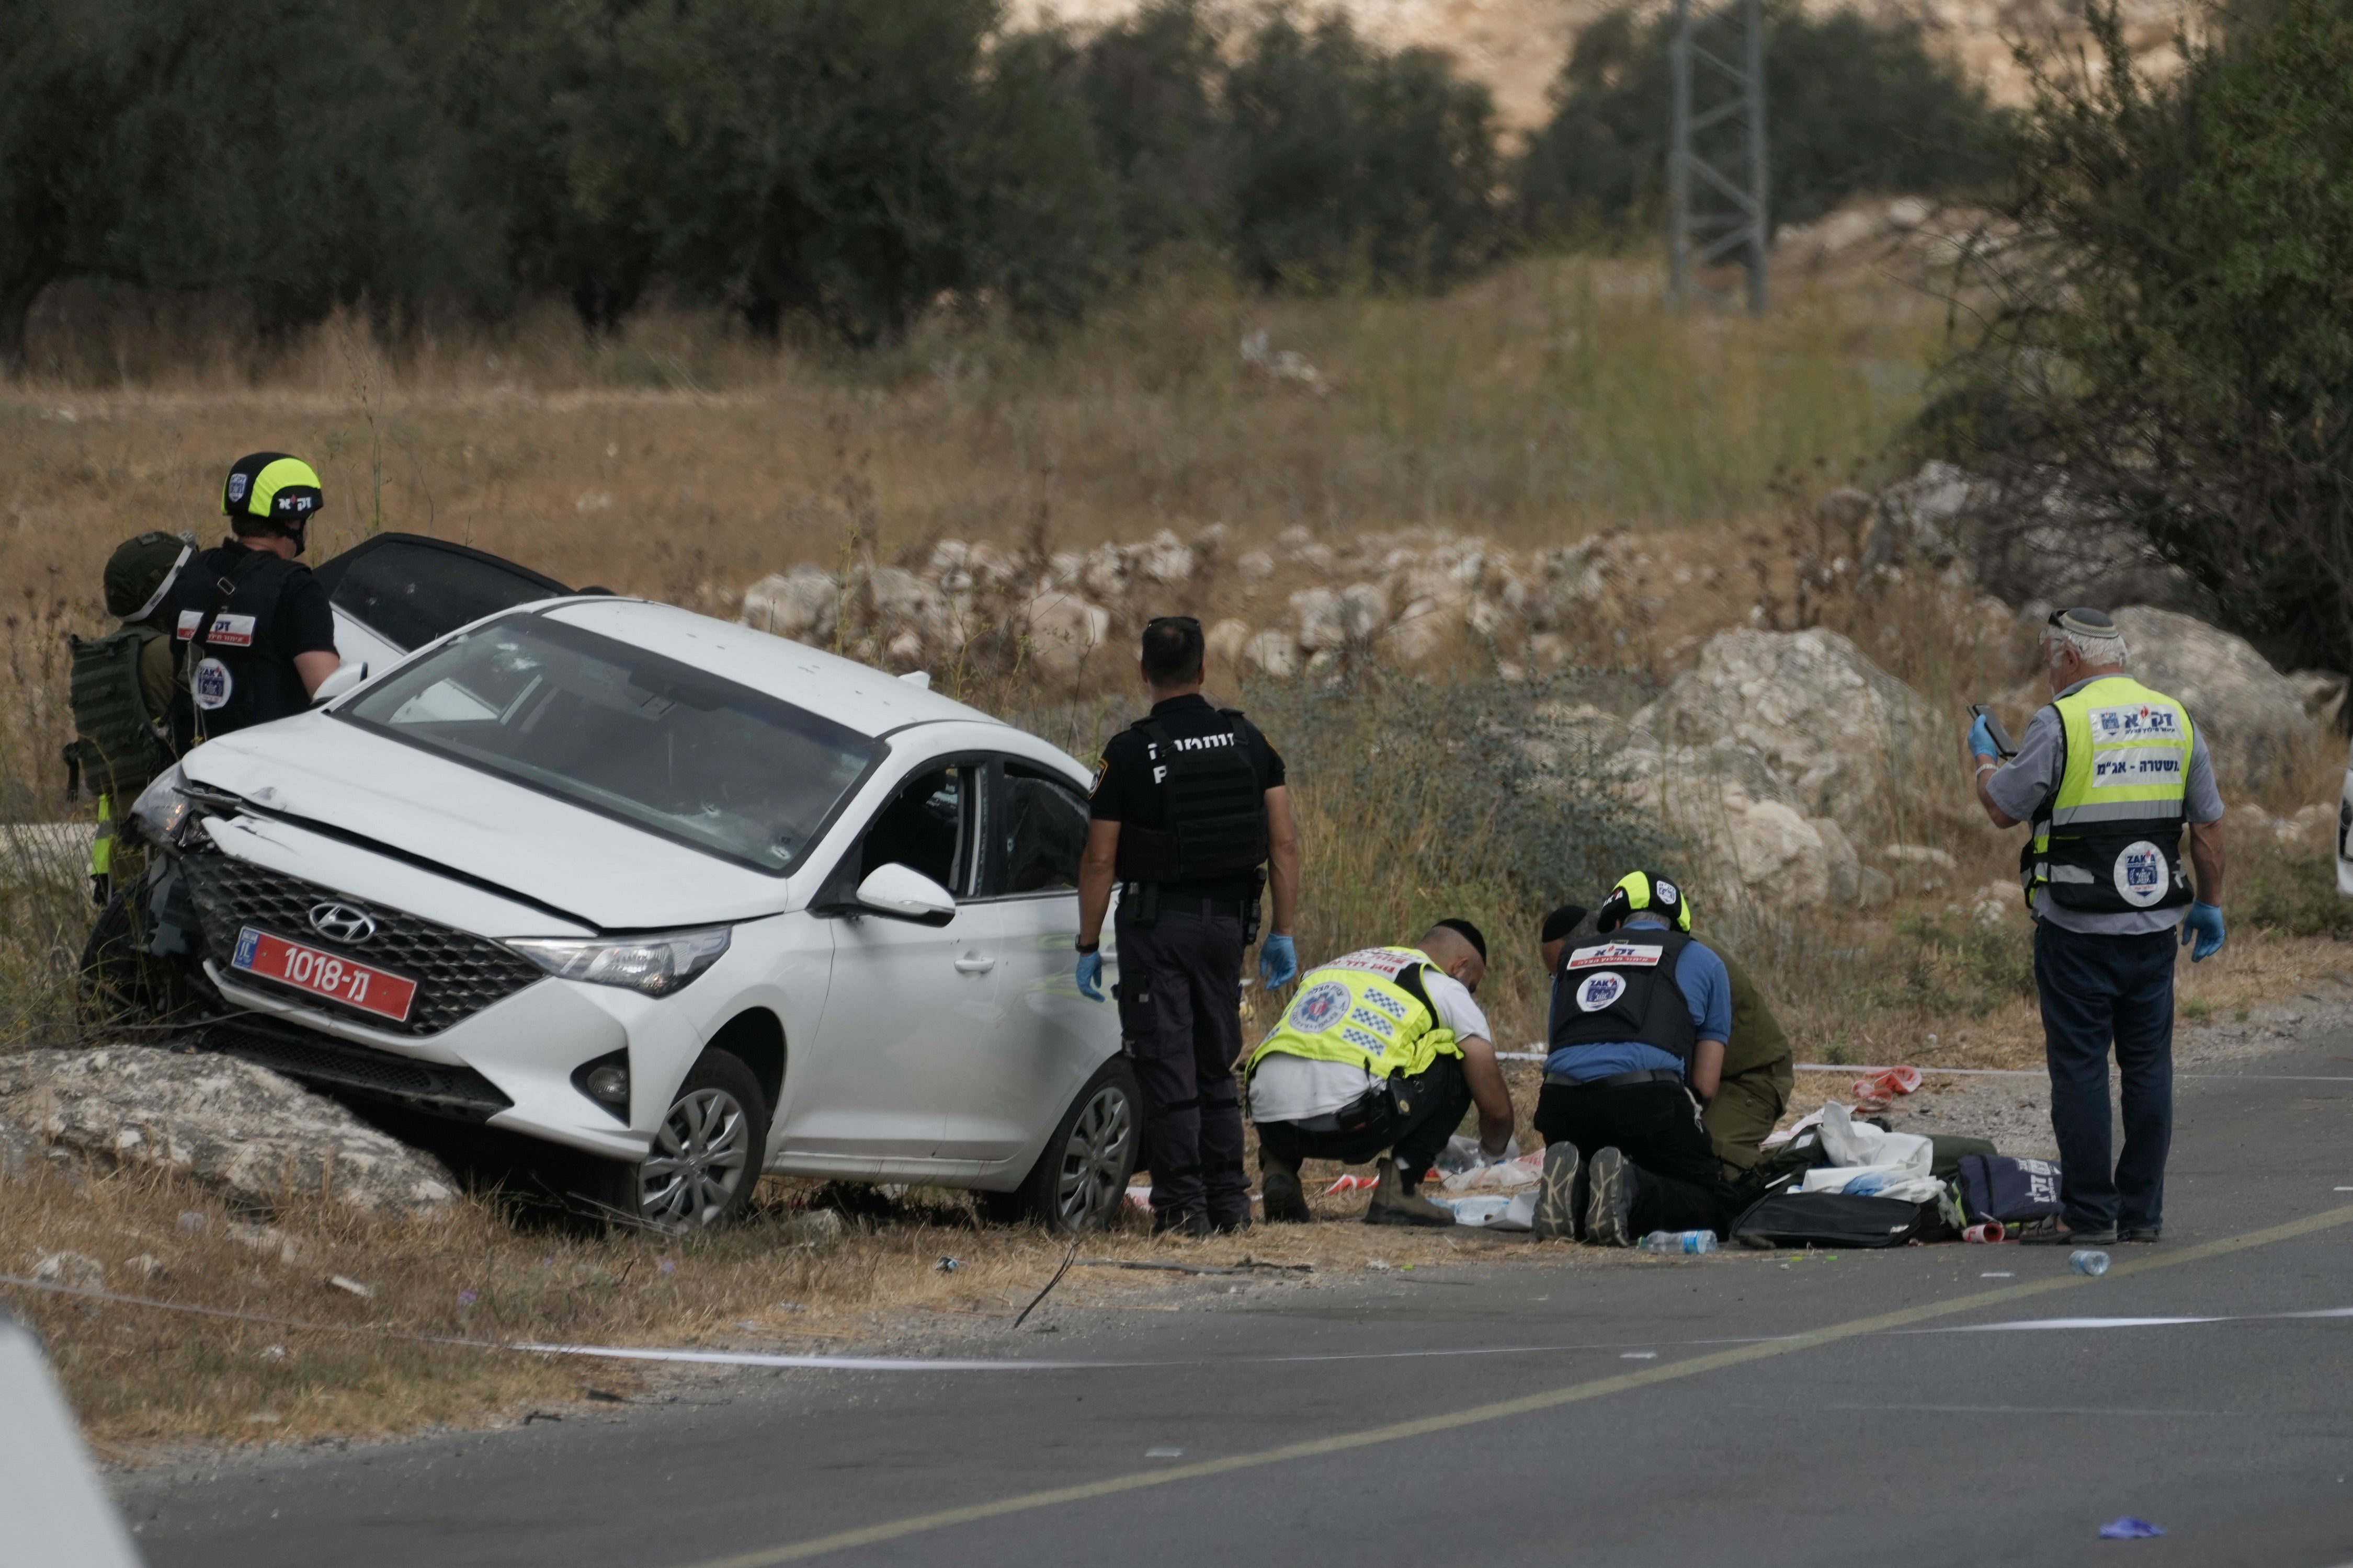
[457,974]
[320,1059]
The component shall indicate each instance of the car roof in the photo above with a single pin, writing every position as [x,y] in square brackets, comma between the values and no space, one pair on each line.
[856,696]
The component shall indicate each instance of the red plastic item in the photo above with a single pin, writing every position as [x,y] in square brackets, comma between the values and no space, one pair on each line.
[1353,1184]
[1991,1231]
[1876,1093]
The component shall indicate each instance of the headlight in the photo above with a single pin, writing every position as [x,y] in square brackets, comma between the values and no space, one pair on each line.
[656,964]
[162,810]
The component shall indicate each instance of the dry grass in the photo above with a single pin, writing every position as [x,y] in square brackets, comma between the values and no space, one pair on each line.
[1552,398]
[337,1365]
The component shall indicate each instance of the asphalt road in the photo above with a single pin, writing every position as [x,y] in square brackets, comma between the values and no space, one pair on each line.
[1726,1410]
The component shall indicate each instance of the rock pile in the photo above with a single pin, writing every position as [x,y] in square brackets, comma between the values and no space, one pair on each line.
[1407,597]
[235,1127]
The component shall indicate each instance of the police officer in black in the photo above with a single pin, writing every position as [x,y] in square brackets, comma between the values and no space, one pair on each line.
[255,635]
[1189,804]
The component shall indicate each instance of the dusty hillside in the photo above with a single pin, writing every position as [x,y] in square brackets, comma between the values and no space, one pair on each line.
[1517,46]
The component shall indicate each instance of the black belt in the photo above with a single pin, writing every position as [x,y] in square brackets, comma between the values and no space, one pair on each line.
[1617,1080]
[1207,908]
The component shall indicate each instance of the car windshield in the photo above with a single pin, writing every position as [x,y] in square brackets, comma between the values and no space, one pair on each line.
[628,733]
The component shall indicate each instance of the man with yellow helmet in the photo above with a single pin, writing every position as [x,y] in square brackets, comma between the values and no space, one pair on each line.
[1639,1017]
[254,631]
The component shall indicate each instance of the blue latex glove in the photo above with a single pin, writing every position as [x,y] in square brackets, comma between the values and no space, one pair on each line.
[2203,921]
[1091,976]
[1278,962]
[1981,740]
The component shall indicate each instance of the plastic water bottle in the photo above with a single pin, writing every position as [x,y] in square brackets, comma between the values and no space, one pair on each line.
[2088,1262]
[1685,1241]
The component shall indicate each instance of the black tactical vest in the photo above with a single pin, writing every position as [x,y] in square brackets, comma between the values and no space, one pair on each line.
[117,747]
[224,615]
[1217,810]
[1621,987]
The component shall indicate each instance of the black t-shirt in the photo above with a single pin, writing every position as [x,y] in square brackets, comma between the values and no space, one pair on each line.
[1128,790]
[279,610]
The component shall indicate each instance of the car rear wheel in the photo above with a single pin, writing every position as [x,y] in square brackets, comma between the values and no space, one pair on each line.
[706,1155]
[1081,1179]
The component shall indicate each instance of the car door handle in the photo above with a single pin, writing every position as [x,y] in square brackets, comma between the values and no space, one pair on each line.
[974,965]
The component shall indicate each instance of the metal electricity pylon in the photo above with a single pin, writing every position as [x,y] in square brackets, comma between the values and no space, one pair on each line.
[1715,143]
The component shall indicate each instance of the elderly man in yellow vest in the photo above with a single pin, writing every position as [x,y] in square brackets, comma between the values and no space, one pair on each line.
[1379,1055]
[2108,775]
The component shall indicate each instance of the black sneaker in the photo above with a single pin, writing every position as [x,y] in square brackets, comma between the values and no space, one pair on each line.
[1283,1199]
[1192,1224]
[2145,1234]
[1556,1215]
[1609,1202]
[2053,1231]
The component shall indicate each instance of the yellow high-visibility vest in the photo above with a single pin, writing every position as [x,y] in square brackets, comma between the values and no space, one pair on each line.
[1368,1009]
[2108,840]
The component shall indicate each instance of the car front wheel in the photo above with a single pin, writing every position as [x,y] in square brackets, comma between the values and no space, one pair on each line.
[706,1155]
[1081,1178]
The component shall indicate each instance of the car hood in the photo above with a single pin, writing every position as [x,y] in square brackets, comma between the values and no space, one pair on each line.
[615,877]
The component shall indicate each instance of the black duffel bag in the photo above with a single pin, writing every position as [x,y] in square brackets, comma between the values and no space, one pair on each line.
[1833,1219]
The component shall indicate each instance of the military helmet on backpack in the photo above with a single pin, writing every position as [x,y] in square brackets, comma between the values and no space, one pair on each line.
[140,573]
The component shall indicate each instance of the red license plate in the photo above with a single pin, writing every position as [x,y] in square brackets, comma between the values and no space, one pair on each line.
[348,981]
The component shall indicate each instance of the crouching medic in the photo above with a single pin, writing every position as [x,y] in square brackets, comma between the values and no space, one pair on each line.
[1639,1017]
[1379,1054]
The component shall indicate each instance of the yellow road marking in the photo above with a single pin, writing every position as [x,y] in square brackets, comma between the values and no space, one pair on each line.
[1576,1393]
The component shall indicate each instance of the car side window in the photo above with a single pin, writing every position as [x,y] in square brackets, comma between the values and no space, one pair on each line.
[1039,834]
[930,827]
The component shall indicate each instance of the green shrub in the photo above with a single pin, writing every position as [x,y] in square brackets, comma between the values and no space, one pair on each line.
[2174,345]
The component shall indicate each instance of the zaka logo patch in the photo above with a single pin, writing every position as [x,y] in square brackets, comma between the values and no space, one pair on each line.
[2141,875]
[1599,992]
[2137,721]
[1319,1007]
[211,685]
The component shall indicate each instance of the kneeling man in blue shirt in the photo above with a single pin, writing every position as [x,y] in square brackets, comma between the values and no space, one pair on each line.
[1640,1016]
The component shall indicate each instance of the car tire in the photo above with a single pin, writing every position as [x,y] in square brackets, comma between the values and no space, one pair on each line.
[706,1157]
[1081,1178]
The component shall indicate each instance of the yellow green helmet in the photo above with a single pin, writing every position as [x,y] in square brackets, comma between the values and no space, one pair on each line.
[1640,890]
[269,492]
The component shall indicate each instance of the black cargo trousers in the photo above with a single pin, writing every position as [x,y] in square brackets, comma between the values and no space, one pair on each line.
[1180,1018]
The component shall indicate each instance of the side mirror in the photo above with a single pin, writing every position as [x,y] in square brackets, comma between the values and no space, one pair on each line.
[906,894]
[345,681]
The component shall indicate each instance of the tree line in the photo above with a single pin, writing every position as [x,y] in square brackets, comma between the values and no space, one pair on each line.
[844,162]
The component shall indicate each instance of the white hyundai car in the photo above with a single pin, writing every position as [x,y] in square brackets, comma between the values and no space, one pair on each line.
[670,891]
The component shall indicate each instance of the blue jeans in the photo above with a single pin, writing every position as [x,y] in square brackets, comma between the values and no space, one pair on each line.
[2096,989]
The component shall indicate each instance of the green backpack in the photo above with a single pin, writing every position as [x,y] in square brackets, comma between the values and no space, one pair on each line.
[119,748]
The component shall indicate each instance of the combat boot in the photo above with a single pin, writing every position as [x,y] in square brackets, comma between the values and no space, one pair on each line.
[1281,1195]
[1396,1203]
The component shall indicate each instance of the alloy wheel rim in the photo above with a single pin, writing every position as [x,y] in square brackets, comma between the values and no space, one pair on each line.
[1093,1158]
[698,1161]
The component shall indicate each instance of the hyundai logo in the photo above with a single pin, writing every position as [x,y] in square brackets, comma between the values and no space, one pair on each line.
[342,922]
